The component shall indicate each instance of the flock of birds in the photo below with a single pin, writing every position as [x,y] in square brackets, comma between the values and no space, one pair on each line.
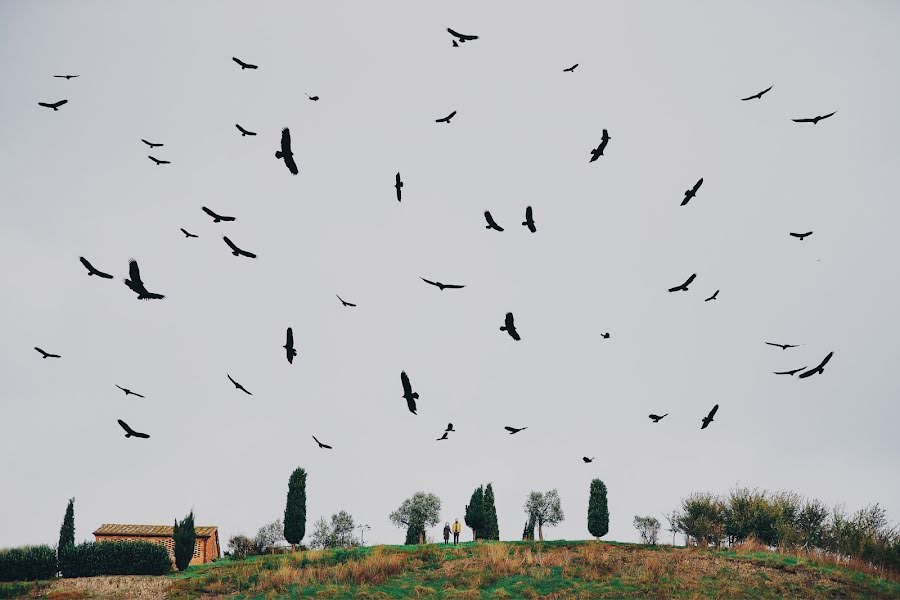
[285,154]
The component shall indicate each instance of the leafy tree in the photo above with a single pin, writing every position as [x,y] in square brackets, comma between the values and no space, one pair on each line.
[185,538]
[491,526]
[702,517]
[648,527]
[336,534]
[475,517]
[413,535]
[672,520]
[268,535]
[417,512]
[295,508]
[67,530]
[544,509]
[598,510]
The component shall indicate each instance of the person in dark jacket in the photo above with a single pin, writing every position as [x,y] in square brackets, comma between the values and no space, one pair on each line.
[446,533]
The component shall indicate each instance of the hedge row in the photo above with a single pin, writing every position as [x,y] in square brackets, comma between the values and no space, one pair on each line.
[114,558]
[28,563]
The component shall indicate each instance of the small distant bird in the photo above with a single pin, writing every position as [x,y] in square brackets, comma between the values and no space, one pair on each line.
[598,151]
[285,152]
[514,430]
[782,346]
[813,120]
[442,286]
[461,36]
[688,194]
[570,69]
[243,64]
[587,460]
[709,418]
[66,77]
[47,354]
[321,445]
[187,233]
[529,220]
[344,302]
[289,346]
[791,372]
[398,184]
[449,427]
[243,131]
[684,286]
[491,224]
[408,393]
[158,161]
[237,385]
[713,297]
[443,437]
[510,327]
[758,95]
[54,105]
[128,392]
[137,286]
[216,218]
[605,336]
[820,369]
[313,98]
[151,144]
[129,432]
[237,251]
[92,271]
[658,418]
[801,235]
[445,119]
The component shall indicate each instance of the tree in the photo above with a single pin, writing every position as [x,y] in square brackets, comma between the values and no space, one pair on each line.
[184,537]
[544,509]
[416,513]
[702,517]
[528,532]
[268,535]
[648,527]
[475,513]
[491,526]
[598,510]
[67,530]
[672,520]
[295,508]
[336,534]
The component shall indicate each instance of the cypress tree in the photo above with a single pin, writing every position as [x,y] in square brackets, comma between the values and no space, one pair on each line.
[185,538]
[67,530]
[413,533]
[295,508]
[475,513]
[491,527]
[598,510]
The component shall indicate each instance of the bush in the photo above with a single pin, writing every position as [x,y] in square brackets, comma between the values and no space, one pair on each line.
[27,563]
[241,546]
[114,558]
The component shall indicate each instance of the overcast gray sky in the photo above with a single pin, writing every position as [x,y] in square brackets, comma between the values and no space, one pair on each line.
[664,79]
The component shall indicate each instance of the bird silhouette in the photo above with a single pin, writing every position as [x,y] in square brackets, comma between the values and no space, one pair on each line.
[443,437]
[713,297]
[709,418]
[529,220]
[187,233]
[398,184]
[216,218]
[688,194]
[587,460]
[658,418]
[243,64]
[344,302]
[321,445]
[757,95]
[461,36]
[313,98]
[782,346]
[237,385]
[237,251]
[813,120]
[491,224]
[449,427]
[791,372]
[129,432]
[514,430]
[54,105]
[442,286]
[598,151]
[286,153]
[151,144]
[570,69]
[684,286]
[47,354]
[510,327]
[801,235]
[243,131]
[66,77]
[817,370]
[408,393]
[605,336]
[445,119]
[289,346]
[128,392]
[137,285]
[93,271]
[455,45]
[158,161]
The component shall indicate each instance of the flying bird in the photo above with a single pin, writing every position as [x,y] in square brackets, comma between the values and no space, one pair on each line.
[54,105]
[605,336]
[137,285]
[398,184]
[791,372]
[158,161]
[47,354]
[243,64]
[709,418]
[289,346]
[598,151]
[442,286]
[445,119]
[216,218]
[758,95]
[237,251]
[587,460]
[491,223]
[820,369]
[129,392]
[408,393]
[449,427]
[285,152]
[813,120]
[151,144]
[684,286]
[514,430]
[461,37]
[782,346]
[129,432]
[237,385]
[243,131]
[321,445]
[510,327]
[92,271]
[713,297]
[188,234]
[570,69]
[66,77]
[443,437]
[455,45]
[801,235]
[344,302]
[688,194]
[313,98]
[658,418]
[529,220]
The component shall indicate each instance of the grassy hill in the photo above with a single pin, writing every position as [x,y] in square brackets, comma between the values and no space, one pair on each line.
[497,570]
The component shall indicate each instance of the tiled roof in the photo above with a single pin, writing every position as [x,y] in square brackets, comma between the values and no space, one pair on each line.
[149,530]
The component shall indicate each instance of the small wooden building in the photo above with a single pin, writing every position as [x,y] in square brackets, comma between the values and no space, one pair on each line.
[205,550]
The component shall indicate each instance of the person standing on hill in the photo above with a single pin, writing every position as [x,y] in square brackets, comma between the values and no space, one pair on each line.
[456,529]
[446,533]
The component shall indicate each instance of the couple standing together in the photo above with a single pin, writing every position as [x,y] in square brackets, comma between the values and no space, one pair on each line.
[455,529]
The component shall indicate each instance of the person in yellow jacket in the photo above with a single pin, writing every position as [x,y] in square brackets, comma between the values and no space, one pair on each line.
[457,528]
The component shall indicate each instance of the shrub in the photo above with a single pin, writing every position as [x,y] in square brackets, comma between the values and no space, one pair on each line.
[241,546]
[114,558]
[27,563]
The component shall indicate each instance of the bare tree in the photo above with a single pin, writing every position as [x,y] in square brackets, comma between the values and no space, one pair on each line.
[648,527]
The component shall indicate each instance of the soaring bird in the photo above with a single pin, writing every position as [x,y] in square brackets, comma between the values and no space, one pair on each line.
[442,286]
[237,251]
[449,427]
[158,161]
[658,418]
[285,152]
[243,131]
[151,144]
[408,393]
[820,369]
[491,223]
[791,372]
[92,271]
[243,64]
[782,346]
[187,233]
[713,297]
[398,184]
[47,354]
[684,286]
[529,220]
[216,218]
[813,120]
[129,432]
[514,430]
[709,418]
[321,445]
[129,392]
[587,460]
[801,235]
[66,77]
[137,285]
[289,346]
[54,105]
[344,302]
[461,36]
[443,437]
[598,151]
[510,327]
[237,385]
[313,98]
[605,336]
[758,95]
[445,119]
[570,69]
[688,194]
